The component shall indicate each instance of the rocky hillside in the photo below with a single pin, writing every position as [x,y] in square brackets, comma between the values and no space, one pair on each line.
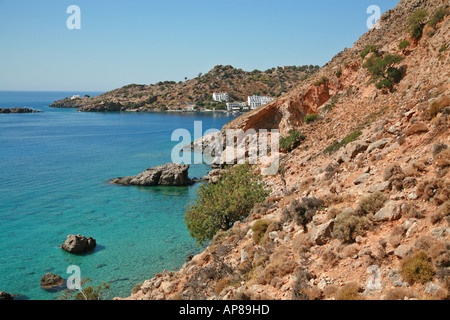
[170,95]
[360,209]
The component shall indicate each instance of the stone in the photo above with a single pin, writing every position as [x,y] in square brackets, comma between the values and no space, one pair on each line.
[432,288]
[171,174]
[78,244]
[440,233]
[5,296]
[416,129]
[51,280]
[380,144]
[389,212]
[403,251]
[362,178]
[321,234]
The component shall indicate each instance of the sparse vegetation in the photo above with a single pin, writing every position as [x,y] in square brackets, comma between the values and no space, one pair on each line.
[292,141]
[350,292]
[302,212]
[417,268]
[259,228]
[370,204]
[437,17]
[311,118]
[404,44]
[339,73]
[339,144]
[218,205]
[416,23]
[349,224]
[368,49]
[321,81]
[99,292]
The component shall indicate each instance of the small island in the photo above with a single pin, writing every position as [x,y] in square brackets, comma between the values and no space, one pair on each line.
[18,110]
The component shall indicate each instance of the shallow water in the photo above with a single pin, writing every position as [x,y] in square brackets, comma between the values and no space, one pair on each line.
[55,168]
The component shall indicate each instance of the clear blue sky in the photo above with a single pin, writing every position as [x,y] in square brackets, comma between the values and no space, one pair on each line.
[146,41]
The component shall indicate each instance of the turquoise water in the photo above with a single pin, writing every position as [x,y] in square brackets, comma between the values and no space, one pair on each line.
[55,168]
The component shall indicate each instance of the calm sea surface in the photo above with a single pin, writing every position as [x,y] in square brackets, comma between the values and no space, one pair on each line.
[54,174]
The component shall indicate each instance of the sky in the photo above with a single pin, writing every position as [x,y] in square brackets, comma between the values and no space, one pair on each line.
[146,41]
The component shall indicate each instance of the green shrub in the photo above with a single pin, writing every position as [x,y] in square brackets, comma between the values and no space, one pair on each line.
[99,292]
[404,44]
[417,268]
[348,225]
[368,49]
[371,204]
[321,81]
[218,205]
[311,118]
[437,17]
[339,73]
[383,71]
[443,48]
[259,228]
[339,144]
[416,23]
[292,141]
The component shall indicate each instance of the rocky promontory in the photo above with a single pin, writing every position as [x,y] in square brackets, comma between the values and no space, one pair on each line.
[170,174]
[18,110]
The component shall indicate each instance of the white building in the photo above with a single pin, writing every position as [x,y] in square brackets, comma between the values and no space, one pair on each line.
[236,105]
[221,97]
[75,97]
[257,101]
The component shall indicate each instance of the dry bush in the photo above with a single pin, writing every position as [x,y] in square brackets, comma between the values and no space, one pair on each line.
[370,204]
[415,168]
[350,291]
[259,229]
[425,243]
[302,212]
[434,189]
[410,210]
[443,158]
[330,291]
[301,243]
[400,294]
[350,250]
[391,171]
[440,255]
[348,225]
[314,293]
[222,284]
[301,285]
[330,258]
[279,265]
[438,148]
[417,268]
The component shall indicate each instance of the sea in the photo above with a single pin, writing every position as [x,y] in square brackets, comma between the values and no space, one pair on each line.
[55,169]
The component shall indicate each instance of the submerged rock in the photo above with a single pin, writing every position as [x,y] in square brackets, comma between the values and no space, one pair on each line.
[78,244]
[6,296]
[51,280]
[170,174]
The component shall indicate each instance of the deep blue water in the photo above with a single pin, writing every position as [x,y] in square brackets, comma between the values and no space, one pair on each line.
[54,174]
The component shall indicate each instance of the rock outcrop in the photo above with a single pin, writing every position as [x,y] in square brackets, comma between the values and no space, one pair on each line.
[170,174]
[5,296]
[18,110]
[78,244]
[50,281]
